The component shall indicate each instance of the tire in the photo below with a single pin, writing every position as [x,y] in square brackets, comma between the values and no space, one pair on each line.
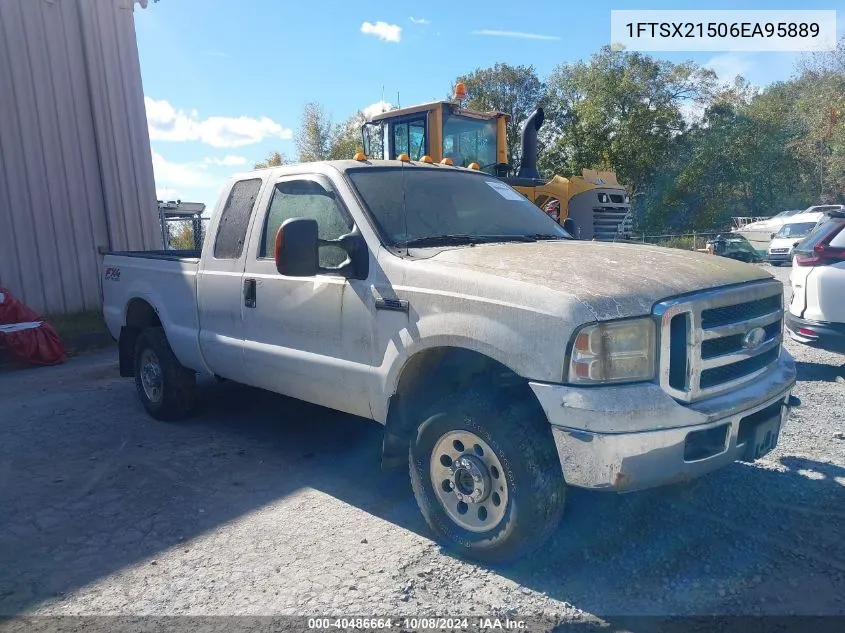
[514,428]
[166,388]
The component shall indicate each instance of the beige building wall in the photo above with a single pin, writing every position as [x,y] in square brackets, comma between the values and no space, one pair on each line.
[76,175]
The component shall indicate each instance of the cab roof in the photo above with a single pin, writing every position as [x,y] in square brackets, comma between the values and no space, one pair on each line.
[425,107]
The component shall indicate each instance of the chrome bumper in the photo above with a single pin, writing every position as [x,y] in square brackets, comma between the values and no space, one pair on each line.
[627,438]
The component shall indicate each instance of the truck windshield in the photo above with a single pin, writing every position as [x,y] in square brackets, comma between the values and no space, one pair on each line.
[467,140]
[795,229]
[432,206]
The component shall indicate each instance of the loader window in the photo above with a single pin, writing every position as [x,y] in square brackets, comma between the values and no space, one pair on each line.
[468,141]
[409,138]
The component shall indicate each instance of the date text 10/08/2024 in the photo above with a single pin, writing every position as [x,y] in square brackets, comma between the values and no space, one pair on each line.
[723,29]
[433,624]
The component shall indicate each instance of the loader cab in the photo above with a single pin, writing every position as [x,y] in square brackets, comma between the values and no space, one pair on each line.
[441,129]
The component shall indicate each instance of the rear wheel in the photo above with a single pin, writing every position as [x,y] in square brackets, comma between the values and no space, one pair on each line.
[486,474]
[166,388]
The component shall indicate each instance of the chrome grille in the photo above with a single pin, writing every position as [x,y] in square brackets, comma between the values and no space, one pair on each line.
[703,350]
[610,222]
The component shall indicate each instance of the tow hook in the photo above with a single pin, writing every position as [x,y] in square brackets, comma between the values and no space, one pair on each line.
[792,402]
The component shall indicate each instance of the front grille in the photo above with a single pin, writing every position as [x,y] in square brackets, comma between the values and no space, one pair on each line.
[706,344]
[610,222]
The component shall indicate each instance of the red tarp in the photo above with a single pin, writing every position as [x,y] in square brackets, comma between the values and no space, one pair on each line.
[35,343]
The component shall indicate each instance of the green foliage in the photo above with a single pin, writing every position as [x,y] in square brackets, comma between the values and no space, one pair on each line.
[274,159]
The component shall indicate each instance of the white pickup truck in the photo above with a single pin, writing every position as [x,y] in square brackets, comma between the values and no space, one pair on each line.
[506,360]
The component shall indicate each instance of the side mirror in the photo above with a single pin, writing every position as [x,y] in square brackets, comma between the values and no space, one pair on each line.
[298,251]
[772,236]
[570,227]
[297,248]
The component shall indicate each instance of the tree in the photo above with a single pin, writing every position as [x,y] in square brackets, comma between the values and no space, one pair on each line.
[274,159]
[313,139]
[620,110]
[514,90]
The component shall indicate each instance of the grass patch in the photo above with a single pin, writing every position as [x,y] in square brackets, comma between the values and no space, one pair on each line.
[684,243]
[77,323]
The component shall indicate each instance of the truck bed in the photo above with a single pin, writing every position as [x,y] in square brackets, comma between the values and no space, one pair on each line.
[166,281]
[171,255]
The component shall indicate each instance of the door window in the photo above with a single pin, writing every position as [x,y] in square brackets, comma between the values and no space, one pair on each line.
[306,199]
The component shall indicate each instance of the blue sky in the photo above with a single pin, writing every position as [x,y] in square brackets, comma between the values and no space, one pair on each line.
[225,81]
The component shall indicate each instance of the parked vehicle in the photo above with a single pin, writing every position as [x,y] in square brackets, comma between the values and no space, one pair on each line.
[735,247]
[758,230]
[817,310]
[506,360]
[788,236]
[759,233]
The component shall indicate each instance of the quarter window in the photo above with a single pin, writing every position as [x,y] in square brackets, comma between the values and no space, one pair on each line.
[231,233]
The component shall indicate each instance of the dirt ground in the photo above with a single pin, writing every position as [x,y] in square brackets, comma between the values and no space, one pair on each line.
[265,505]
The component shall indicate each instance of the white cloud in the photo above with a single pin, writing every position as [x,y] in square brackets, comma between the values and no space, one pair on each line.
[519,34]
[730,65]
[166,123]
[179,176]
[422,21]
[376,108]
[383,31]
[226,161]
[166,194]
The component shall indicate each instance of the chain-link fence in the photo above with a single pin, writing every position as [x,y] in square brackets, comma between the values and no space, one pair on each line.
[687,241]
[184,233]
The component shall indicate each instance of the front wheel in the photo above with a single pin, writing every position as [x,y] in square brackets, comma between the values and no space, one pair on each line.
[487,476]
[166,388]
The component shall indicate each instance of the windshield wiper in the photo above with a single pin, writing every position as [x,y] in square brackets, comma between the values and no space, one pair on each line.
[462,239]
[546,236]
[440,240]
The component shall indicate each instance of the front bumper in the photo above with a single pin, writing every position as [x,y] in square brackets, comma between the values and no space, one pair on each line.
[779,258]
[633,437]
[827,336]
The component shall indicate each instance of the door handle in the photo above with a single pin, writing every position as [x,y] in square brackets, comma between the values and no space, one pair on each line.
[249,293]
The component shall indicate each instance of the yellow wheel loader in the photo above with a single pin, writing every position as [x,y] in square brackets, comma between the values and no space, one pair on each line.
[444,130]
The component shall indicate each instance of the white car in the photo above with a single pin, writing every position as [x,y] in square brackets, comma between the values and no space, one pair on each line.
[817,311]
[789,235]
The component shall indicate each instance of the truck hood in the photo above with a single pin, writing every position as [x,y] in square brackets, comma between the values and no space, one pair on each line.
[611,280]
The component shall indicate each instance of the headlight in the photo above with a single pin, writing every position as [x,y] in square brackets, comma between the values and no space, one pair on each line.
[603,198]
[627,199]
[613,351]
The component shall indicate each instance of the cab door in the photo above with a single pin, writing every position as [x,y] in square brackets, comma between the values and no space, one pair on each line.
[308,337]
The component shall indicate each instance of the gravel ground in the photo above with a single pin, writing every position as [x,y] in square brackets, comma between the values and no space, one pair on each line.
[265,505]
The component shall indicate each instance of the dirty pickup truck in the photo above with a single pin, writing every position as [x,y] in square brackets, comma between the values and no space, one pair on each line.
[506,360]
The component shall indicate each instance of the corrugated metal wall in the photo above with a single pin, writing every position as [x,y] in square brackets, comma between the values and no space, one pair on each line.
[76,173]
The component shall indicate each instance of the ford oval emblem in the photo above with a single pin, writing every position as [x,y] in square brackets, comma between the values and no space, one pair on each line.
[754,338]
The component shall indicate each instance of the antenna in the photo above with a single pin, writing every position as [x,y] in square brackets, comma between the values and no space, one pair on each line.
[382,97]
[398,105]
